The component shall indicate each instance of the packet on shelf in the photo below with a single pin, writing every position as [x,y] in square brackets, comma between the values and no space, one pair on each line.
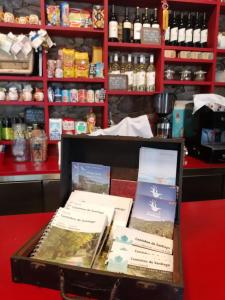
[53,15]
[80,17]
[68,63]
[81,64]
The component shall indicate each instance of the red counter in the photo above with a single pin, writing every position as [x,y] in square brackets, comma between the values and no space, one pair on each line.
[203,248]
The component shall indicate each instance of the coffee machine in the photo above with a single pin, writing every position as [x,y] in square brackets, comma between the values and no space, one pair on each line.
[208,140]
[163,105]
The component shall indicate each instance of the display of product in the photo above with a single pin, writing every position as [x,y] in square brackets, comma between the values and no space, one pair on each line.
[22,92]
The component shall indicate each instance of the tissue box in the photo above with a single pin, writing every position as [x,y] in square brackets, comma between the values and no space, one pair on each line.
[182,119]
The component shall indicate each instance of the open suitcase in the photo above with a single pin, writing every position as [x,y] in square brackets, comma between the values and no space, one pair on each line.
[122,154]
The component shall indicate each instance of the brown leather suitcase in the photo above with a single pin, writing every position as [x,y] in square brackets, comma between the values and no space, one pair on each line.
[122,154]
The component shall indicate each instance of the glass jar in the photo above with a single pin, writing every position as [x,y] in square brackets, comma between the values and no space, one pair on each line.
[38,147]
[185,75]
[169,74]
[21,150]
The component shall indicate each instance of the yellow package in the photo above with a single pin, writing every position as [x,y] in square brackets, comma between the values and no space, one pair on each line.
[96,55]
[68,63]
[81,64]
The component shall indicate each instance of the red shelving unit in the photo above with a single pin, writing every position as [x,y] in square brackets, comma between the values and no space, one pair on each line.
[85,80]
[22,103]
[100,104]
[20,78]
[132,46]
[187,82]
[73,31]
[130,93]
[181,48]
[178,60]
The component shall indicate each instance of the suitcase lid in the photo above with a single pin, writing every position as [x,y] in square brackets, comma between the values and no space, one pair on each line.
[120,153]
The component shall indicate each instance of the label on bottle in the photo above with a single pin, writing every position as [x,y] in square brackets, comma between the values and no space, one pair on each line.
[137,31]
[113,29]
[115,72]
[173,34]
[155,25]
[204,36]
[130,75]
[134,81]
[127,25]
[146,25]
[150,84]
[189,35]
[141,79]
[167,34]
[196,35]
[181,35]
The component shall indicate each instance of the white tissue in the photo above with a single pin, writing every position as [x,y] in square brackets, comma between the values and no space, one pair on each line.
[213,101]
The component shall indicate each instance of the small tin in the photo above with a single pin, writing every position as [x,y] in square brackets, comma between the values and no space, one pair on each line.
[92,70]
[58,95]
[82,95]
[73,95]
[65,95]
[90,96]
[97,96]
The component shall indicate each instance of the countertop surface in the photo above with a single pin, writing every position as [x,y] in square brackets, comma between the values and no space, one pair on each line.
[203,248]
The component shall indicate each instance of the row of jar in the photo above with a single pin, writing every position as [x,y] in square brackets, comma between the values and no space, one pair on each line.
[27,93]
[185,74]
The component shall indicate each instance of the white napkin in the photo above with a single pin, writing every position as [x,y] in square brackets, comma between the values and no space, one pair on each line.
[213,101]
[129,127]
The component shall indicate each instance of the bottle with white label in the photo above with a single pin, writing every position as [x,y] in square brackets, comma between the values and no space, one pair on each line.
[150,75]
[126,27]
[174,30]
[204,32]
[155,23]
[129,71]
[137,27]
[115,69]
[146,22]
[135,71]
[189,32]
[113,26]
[141,75]
[122,64]
[196,32]
[181,31]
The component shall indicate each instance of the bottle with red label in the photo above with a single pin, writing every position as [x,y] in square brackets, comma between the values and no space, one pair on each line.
[91,120]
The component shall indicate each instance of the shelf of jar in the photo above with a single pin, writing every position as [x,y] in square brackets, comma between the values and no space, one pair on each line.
[132,46]
[188,60]
[184,48]
[20,78]
[74,31]
[99,104]
[131,93]
[22,103]
[186,82]
[87,80]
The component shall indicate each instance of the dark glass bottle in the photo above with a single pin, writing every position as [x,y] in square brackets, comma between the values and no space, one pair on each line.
[174,30]
[204,32]
[196,32]
[167,32]
[189,32]
[137,27]
[155,23]
[181,31]
[145,21]
[126,27]
[113,26]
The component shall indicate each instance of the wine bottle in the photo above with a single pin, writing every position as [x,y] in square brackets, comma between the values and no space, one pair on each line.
[167,33]
[189,32]
[141,74]
[122,64]
[129,71]
[181,31]
[196,32]
[126,27]
[135,70]
[113,26]
[174,30]
[150,75]
[115,65]
[155,23]
[204,32]
[137,27]
[146,22]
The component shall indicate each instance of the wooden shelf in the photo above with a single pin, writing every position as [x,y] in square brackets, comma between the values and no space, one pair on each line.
[188,60]
[22,103]
[74,31]
[186,82]
[132,46]
[131,93]
[182,48]
[87,80]
[20,78]
[100,104]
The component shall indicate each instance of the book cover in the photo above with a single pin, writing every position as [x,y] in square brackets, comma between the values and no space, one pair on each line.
[157,166]
[73,238]
[90,177]
[154,209]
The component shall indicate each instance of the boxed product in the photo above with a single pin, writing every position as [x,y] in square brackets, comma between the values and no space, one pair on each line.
[81,64]
[170,53]
[68,63]
[55,129]
[98,16]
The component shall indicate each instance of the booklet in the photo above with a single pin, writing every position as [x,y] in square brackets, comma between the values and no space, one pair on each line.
[157,166]
[90,177]
[154,209]
[73,238]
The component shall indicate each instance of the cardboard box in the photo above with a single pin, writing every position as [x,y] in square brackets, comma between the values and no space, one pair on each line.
[182,119]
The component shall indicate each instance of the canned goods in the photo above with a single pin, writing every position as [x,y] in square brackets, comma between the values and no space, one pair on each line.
[58,95]
[82,95]
[97,96]
[65,96]
[73,95]
[90,96]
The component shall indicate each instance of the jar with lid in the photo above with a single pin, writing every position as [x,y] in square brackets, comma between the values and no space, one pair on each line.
[20,145]
[169,74]
[38,145]
[200,75]
[185,75]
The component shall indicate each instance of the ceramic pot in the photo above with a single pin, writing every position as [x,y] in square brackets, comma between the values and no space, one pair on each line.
[13,94]
[2,94]
[39,95]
